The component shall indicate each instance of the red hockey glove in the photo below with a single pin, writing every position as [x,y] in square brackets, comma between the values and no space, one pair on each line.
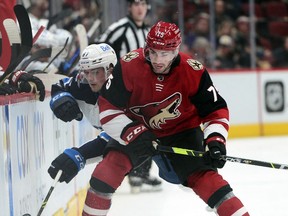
[28,83]
[215,145]
[139,139]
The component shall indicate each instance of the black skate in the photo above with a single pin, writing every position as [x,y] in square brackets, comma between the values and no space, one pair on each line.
[144,184]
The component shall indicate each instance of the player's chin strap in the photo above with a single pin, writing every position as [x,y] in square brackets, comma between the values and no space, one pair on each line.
[193,153]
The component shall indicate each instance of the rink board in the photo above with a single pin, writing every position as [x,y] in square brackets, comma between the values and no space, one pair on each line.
[31,137]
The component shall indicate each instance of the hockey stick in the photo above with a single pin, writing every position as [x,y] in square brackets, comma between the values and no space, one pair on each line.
[6,48]
[39,32]
[82,37]
[93,28]
[97,21]
[56,55]
[50,52]
[193,153]
[81,34]
[14,37]
[26,39]
[66,67]
[49,192]
[25,25]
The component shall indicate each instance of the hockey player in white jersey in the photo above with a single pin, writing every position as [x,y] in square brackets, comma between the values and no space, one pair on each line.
[73,97]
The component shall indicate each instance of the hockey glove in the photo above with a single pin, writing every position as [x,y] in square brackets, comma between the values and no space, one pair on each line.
[28,83]
[7,89]
[139,139]
[215,146]
[70,162]
[65,107]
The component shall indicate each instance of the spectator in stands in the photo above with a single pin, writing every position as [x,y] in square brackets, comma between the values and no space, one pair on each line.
[264,58]
[242,33]
[227,27]
[280,55]
[200,29]
[84,12]
[53,36]
[242,43]
[220,13]
[201,50]
[225,53]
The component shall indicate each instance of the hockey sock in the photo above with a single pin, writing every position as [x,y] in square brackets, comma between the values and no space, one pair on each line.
[96,204]
[106,178]
[217,193]
[111,170]
[232,207]
[209,186]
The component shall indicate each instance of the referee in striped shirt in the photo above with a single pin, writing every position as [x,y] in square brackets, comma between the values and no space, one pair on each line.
[125,35]
[128,33]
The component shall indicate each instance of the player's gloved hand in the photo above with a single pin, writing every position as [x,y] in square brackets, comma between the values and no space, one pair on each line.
[70,162]
[139,139]
[215,146]
[7,89]
[28,83]
[65,107]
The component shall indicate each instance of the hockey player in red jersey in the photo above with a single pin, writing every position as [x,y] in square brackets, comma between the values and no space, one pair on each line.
[157,94]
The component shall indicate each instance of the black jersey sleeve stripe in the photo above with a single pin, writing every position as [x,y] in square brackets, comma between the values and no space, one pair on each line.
[204,100]
[115,89]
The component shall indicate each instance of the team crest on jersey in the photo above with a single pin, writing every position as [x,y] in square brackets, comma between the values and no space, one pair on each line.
[129,56]
[156,114]
[196,65]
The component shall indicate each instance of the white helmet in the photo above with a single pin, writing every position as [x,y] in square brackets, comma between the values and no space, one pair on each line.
[96,56]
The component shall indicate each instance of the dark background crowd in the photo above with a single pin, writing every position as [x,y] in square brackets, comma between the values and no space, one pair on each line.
[232,32]
[217,33]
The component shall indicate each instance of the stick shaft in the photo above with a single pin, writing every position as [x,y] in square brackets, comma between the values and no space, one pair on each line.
[49,192]
[193,153]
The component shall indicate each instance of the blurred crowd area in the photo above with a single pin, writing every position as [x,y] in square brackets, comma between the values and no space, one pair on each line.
[215,32]
[229,45]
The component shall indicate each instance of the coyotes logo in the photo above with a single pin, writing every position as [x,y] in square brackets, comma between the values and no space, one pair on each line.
[157,113]
[129,56]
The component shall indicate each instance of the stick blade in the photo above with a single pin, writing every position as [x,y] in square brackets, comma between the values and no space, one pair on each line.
[12,31]
[25,25]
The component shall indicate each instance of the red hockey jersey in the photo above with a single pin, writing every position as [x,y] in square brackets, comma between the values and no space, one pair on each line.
[167,104]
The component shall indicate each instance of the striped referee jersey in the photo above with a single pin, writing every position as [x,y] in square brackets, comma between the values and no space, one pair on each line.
[124,36]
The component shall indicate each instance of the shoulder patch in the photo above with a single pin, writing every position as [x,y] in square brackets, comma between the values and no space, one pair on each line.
[196,65]
[130,56]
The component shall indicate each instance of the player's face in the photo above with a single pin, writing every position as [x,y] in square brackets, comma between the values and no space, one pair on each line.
[96,78]
[161,60]
[138,11]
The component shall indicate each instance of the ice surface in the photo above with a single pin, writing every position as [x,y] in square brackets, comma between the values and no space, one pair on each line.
[264,191]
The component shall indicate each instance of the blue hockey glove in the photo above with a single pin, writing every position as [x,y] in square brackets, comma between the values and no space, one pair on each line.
[65,107]
[70,162]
